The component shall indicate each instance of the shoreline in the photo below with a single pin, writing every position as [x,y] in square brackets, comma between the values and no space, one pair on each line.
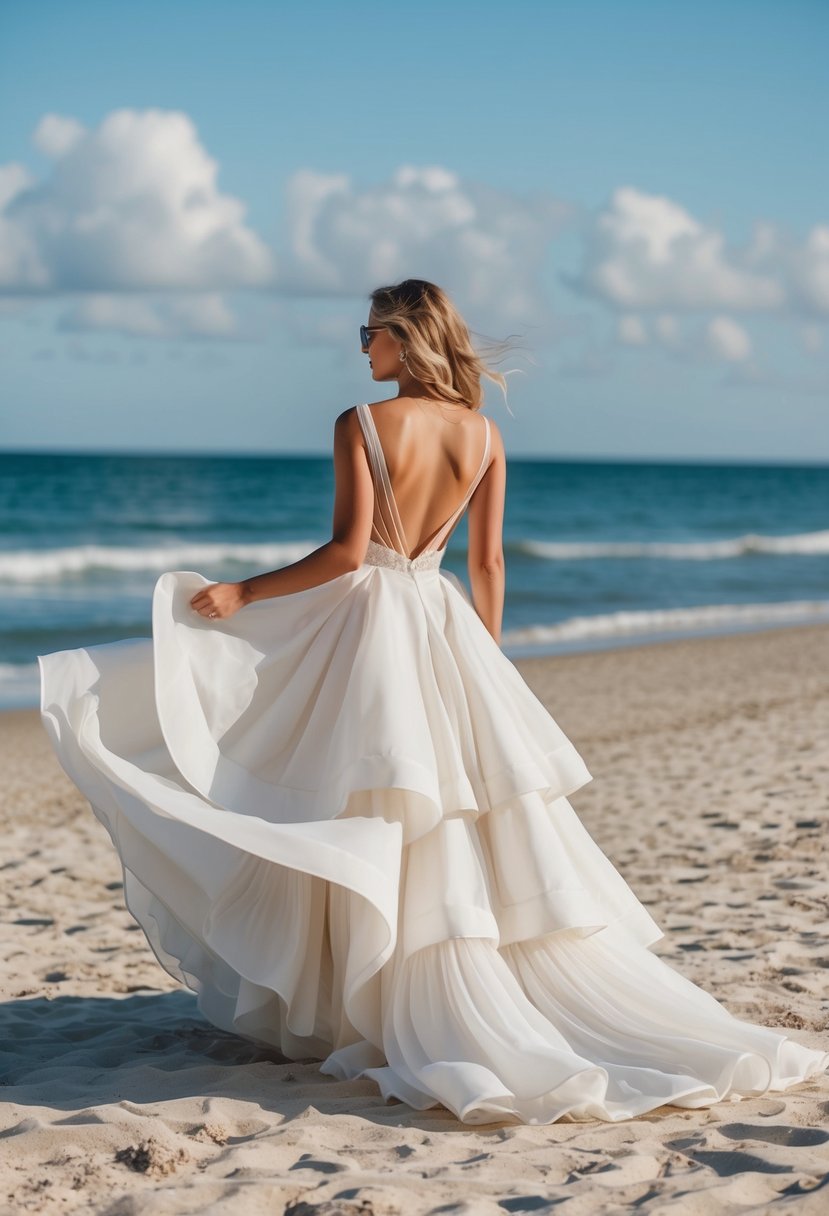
[521,653]
[710,764]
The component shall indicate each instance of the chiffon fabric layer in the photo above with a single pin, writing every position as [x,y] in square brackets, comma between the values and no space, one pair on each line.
[343,820]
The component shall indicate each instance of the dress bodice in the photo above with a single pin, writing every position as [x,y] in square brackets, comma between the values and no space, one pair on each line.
[382,555]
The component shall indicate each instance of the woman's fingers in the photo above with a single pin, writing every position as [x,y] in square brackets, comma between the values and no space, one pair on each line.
[213,601]
[204,608]
[202,598]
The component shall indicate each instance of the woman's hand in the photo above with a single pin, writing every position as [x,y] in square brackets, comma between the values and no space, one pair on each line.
[219,600]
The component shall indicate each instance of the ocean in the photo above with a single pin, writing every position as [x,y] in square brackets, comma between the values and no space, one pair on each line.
[597,553]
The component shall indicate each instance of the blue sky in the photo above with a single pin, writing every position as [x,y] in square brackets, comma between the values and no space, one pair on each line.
[196,198]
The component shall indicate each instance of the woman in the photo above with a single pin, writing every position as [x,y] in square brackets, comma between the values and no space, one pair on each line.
[343,816]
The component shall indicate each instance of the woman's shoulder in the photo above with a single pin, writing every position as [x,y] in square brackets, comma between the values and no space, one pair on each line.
[414,405]
[348,417]
[401,407]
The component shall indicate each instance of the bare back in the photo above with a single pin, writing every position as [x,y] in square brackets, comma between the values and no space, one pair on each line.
[427,460]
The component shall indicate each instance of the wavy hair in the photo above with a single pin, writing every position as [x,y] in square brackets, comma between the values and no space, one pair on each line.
[438,344]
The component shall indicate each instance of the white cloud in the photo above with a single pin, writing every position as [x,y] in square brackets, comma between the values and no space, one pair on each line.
[179,316]
[727,340]
[203,315]
[646,251]
[132,205]
[14,178]
[487,247]
[721,339]
[128,222]
[809,270]
[127,315]
[631,331]
[56,135]
[20,260]
[803,268]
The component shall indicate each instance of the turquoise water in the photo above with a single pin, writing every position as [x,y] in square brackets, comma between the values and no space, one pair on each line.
[597,554]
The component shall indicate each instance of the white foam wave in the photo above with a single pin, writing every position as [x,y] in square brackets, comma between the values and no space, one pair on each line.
[668,620]
[20,682]
[691,550]
[32,565]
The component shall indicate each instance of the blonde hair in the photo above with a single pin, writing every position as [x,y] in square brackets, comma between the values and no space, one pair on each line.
[437,341]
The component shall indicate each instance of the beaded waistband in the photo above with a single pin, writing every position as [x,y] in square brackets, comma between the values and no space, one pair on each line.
[382,555]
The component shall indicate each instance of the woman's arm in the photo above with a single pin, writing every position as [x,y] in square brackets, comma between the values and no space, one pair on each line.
[485,561]
[353,510]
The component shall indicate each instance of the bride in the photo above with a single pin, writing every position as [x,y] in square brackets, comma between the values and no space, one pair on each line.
[343,816]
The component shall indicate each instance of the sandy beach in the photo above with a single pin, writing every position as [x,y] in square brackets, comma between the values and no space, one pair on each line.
[710,759]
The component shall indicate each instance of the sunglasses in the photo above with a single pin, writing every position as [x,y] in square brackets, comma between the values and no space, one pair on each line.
[365,333]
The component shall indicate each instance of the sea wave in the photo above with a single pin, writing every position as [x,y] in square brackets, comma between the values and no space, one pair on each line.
[33,565]
[691,550]
[19,682]
[668,620]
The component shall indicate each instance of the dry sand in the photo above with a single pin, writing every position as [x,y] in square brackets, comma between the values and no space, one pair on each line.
[710,760]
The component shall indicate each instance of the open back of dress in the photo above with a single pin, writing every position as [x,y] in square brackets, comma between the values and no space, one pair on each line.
[387,522]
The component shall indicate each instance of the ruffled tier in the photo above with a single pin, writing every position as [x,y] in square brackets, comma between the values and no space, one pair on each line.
[374,680]
[423,905]
[568,1027]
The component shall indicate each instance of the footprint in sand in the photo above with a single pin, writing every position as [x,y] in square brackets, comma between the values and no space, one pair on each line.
[307,1162]
[796,1137]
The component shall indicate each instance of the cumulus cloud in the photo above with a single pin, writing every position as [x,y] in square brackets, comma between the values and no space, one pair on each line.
[646,251]
[631,330]
[129,224]
[203,315]
[809,269]
[488,247]
[55,135]
[19,257]
[14,178]
[180,316]
[720,339]
[132,205]
[126,315]
[727,340]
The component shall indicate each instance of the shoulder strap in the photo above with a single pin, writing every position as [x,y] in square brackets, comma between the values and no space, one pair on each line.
[382,482]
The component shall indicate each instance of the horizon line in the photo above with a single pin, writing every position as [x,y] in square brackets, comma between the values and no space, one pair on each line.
[529,458]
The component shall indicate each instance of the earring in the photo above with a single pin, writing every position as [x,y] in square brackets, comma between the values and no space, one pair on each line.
[402,356]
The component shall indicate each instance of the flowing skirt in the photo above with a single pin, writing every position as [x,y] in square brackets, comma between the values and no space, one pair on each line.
[343,821]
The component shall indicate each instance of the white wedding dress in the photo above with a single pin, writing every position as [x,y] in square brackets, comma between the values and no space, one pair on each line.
[344,823]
